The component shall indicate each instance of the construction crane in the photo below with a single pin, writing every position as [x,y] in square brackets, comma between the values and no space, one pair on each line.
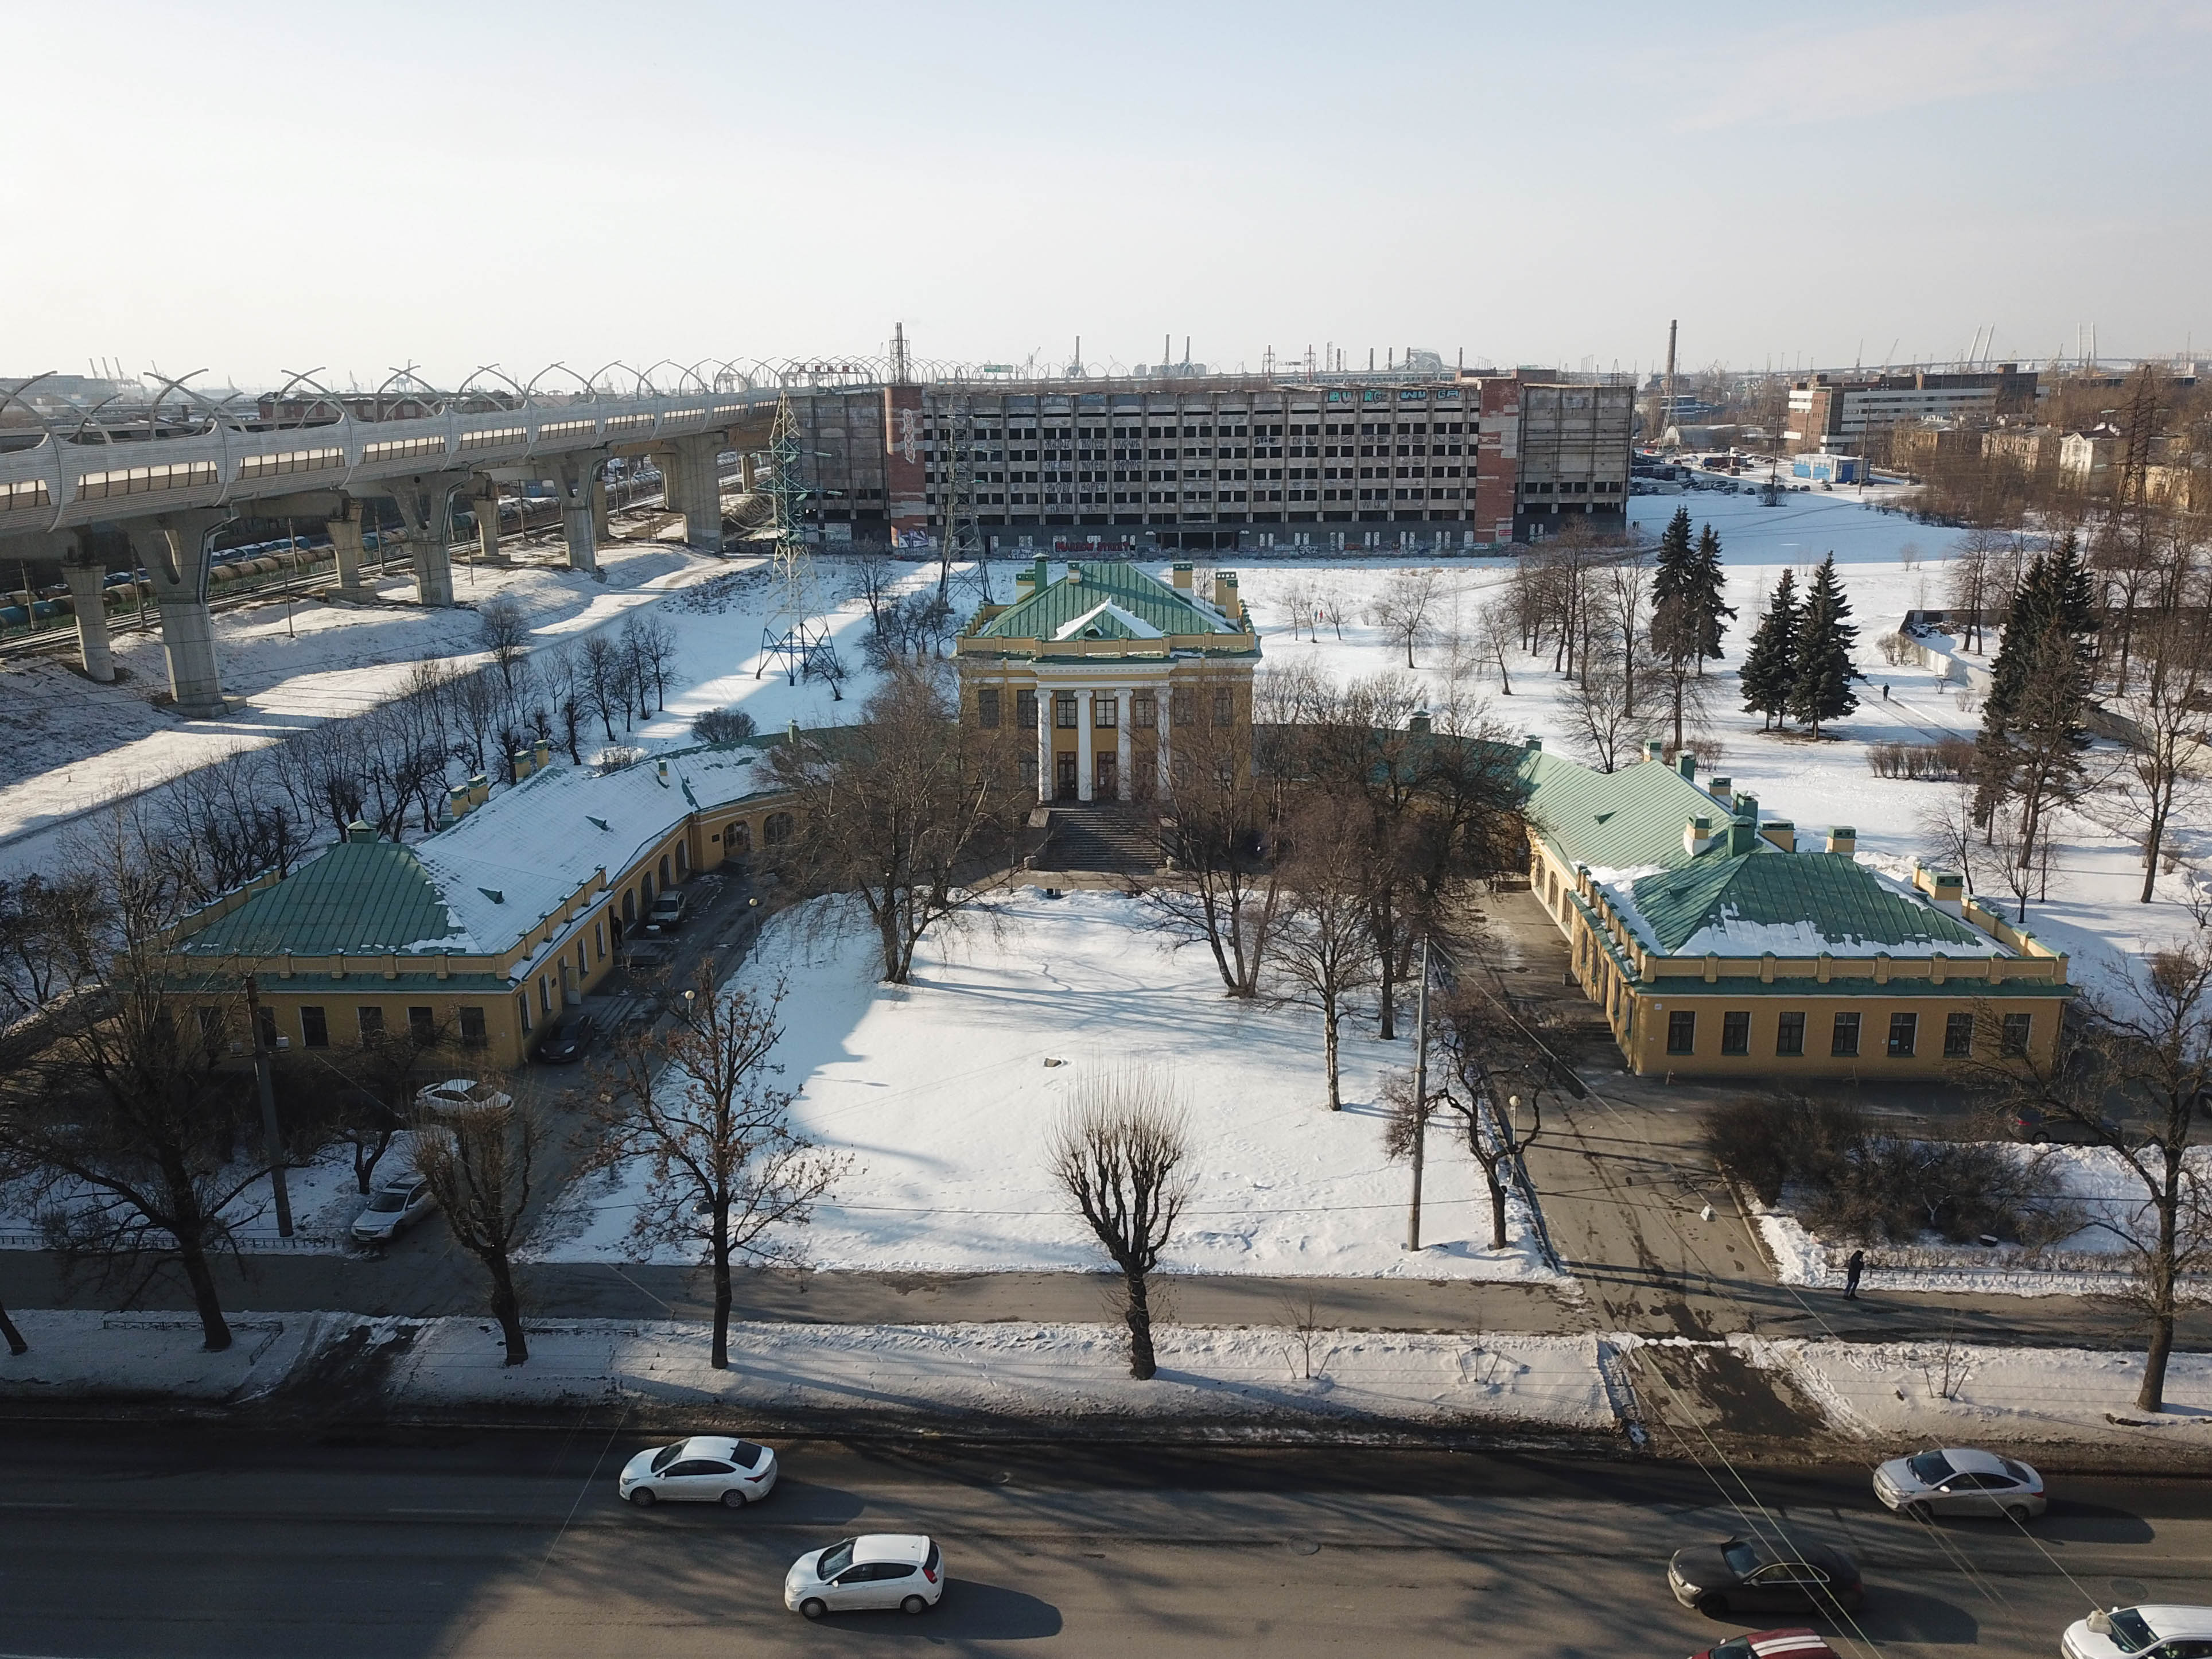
[795,636]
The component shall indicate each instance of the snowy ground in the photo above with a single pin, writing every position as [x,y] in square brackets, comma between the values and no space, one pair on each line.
[81,1356]
[86,744]
[1238,1374]
[943,1094]
[2093,1183]
[1957,1394]
[1888,565]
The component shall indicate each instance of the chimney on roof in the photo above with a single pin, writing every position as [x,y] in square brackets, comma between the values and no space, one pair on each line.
[358,831]
[1179,575]
[1225,597]
[1653,749]
[1721,788]
[523,762]
[1746,804]
[1698,835]
[479,789]
[1844,839]
[1743,836]
[1532,743]
[458,802]
[541,753]
[662,771]
[1075,571]
[1945,889]
[1686,764]
[1417,722]
[1781,833]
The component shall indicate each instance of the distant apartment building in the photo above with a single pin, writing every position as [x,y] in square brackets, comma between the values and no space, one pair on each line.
[1827,413]
[1221,461]
[2085,458]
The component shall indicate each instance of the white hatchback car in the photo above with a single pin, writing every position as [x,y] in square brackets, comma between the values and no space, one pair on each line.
[2146,1632]
[877,1570]
[1957,1481]
[708,1469]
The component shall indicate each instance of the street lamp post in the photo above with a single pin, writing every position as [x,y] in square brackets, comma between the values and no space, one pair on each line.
[1421,1098]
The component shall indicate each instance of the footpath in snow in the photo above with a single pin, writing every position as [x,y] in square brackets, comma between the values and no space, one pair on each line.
[945,1093]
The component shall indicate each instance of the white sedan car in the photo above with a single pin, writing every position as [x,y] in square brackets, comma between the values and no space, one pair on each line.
[708,1469]
[397,1200]
[2146,1632]
[1957,1481]
[877,1570]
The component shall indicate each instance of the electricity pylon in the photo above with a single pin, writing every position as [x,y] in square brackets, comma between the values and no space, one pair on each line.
[956,481]
[795,635]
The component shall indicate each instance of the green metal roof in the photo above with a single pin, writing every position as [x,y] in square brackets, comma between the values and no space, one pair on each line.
[361,897]
[1052,607]
[1824,897]
[1616,820]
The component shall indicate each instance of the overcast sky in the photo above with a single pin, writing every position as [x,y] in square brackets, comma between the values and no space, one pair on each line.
[259,189]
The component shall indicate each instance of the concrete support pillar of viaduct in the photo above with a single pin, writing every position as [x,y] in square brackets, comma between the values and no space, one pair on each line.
[345,533]
[575,478]
[485,505]
[692,469]
[87,585]
[174,550]
[602,529]
[426,505]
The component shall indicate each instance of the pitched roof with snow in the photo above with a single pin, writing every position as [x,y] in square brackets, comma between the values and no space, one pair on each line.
[479,885]
[1631,816]
[1124,596]
[1795,904]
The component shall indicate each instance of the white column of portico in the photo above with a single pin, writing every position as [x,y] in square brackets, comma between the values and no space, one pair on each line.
[1121,769]
[1083,741]
[1166,719]
[1044,742]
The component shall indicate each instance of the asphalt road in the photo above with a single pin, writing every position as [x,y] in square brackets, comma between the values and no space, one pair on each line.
[174,1542]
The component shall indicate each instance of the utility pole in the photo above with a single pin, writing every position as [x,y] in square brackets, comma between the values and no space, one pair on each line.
[270,1143]
[1420,1097]
[1667,415]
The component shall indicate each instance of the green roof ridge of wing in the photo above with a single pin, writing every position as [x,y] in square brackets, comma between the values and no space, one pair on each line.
[1060,602]
[357,898]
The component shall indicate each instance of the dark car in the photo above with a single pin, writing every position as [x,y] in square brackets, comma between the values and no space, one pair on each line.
[1743,1575]
[2039,1130]
[1770,1644]
[564,1045]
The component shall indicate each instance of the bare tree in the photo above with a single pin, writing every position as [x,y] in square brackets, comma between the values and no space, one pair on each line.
[2168,715]
[875,577]
[722,725]
[118,1114]
[1406,609]
[604,689]
[1950,828]
[698,1105]
[1324,950]
[2129,1072]
[479,1160]
[899,811]
[1118,1155]
[505,634]
[1225,889]
[652,645]
[1599,712]
[1497,634]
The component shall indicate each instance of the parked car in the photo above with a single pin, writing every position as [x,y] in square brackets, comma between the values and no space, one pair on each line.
[395,1201]
[877,1570]
[2162,1632]
[667,913]
[1957,1481]
[564,1045]
[458,1094]
[1740,1575]
[2034,1127]
[707,1468]
[1798,1644]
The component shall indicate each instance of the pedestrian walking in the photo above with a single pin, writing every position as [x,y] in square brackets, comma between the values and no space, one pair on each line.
[1852,1269]
[1884,691]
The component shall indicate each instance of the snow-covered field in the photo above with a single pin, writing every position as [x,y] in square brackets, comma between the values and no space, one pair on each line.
[1936,1392]
[2092,1184]
[1888,564]
[943,1094]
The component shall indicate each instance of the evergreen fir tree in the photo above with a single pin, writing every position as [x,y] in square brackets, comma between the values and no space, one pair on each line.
[2047,633]
[1674,572]
[1708,596]
[1821,671]
[1772,653]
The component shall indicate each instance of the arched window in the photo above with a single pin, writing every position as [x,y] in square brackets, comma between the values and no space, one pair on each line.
[776,829]
[645,889]
[630,907]
[664,869]
[738,839]
[682,858]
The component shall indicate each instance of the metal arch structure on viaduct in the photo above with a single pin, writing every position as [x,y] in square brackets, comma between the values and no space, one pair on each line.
[165,475]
